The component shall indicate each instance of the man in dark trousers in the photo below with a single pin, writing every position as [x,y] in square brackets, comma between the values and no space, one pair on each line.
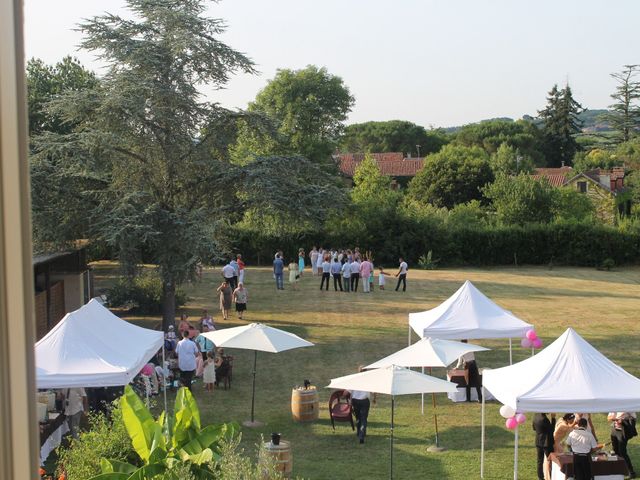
[544,438]
[620,436]
[582,443]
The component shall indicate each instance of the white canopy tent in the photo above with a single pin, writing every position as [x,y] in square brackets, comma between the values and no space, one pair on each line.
[92,347]
[568,376]
[468,314]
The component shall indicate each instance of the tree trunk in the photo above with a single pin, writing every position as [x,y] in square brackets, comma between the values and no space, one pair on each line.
[168,303]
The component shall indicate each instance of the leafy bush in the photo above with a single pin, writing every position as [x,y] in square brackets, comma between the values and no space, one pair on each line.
[142,294]
[427,262]
[106,437]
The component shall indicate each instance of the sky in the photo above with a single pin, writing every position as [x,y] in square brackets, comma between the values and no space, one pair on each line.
[437,63]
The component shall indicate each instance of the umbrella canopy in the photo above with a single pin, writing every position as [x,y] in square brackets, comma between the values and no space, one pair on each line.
[256,336]
[393,380]
[468,313]
[428,352]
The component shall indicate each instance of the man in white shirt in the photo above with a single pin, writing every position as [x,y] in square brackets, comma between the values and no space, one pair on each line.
[355,275]
[75,404]
[402,275]
[582,443]
[187,351]
[228,272]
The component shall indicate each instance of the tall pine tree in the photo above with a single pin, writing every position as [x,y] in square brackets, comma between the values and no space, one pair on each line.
[624,117]
[561,124]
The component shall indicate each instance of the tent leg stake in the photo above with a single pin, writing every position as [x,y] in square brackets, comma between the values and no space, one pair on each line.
[391,442]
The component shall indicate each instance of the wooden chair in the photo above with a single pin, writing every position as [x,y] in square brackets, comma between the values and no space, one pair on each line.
[340,409]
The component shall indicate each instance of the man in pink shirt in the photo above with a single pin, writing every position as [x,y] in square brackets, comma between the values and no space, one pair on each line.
[365,270]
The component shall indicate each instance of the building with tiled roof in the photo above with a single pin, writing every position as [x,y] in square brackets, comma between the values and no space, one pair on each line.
[392,164]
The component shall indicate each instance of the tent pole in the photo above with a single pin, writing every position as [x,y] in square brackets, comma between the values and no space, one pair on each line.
[510,352]
[515,457]
[391,442]
[482,436]
[253,391]
[164,381]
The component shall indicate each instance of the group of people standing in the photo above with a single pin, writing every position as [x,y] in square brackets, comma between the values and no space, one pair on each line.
[576,431]
[349,270]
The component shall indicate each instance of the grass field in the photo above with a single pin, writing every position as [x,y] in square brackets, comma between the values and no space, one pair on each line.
[352,329]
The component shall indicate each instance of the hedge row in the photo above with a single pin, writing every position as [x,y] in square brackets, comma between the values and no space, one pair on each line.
[536,244]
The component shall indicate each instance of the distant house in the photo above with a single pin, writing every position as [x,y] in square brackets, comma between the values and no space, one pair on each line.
[605,188]
[401,169]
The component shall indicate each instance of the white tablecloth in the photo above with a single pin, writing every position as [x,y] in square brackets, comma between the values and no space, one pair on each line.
[461,395]
[53,441]
[556,474]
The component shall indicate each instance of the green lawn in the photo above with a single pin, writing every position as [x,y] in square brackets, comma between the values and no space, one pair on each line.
[353,329]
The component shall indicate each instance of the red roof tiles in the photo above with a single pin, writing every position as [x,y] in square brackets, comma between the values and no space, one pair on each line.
[392,164]
[554,180]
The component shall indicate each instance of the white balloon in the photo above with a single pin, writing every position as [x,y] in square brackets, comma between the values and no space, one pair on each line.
[506,411]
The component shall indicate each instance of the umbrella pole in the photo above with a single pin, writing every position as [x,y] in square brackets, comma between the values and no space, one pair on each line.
[482,437]
[164,381]
[422,395]
[436,447]
[253,389]
[391,443]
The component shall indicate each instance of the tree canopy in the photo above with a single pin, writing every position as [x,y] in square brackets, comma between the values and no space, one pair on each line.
[308,107]
[624,114]
[392,136]
[45,82]
[561,124]
[453,175]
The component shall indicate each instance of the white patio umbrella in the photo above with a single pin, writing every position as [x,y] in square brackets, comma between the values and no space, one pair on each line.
[428,352]
[256,336]
[392,380]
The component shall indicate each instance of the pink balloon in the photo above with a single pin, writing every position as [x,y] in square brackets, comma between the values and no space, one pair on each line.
[526,343]
[521,418]
[511,423]
[537,343]
[147,370]
[531,335]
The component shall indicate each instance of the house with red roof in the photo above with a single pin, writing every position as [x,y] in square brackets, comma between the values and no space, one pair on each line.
[401,169]
[604,187]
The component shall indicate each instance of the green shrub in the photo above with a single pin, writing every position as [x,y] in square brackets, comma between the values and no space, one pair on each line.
[143,294]
[106,437]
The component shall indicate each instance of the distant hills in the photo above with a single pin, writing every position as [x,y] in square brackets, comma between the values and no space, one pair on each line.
[591,121]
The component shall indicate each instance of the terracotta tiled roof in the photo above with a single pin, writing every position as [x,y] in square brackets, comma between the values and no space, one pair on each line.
[553,179]
[392,164]
[553,171]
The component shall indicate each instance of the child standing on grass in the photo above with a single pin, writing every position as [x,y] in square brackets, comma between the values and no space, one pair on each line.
[381,279]
[209,373]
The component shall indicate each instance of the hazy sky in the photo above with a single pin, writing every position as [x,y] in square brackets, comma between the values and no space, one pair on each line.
[434,62]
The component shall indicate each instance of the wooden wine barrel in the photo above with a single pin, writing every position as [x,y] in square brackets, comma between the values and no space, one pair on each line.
[282,455]
[304,404]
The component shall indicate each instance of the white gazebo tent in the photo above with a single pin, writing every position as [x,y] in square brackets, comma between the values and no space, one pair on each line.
[92,347]
[568,376]
[468,314]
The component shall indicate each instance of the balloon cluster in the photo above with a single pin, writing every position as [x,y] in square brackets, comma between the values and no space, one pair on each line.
[513,418]
[531,340]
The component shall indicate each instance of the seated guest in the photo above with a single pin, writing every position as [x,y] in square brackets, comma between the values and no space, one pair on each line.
[207,320]
[582,443]
[563,427]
